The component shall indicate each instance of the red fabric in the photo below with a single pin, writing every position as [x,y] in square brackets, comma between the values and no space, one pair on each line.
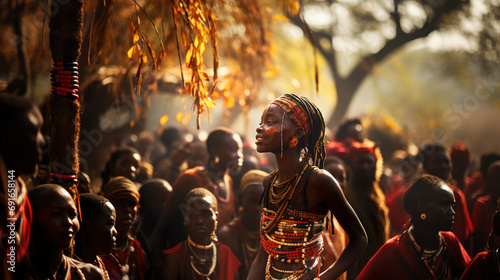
[114,269]
[462,227]
[397,213]
[225,270]
[480,268]
[475,183]
[349,149]
[23,228]
[390,261]
[482,216]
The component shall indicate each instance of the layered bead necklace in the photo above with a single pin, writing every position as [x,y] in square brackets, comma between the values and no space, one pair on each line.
[281,194]
[125,268]
[429,257]
[201,266]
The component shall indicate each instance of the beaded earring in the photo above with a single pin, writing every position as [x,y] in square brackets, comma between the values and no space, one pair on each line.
[293,143]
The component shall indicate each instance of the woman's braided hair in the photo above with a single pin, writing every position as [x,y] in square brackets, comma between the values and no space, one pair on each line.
[316,145]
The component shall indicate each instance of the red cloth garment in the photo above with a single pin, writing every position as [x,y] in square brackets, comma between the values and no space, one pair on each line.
[226,267]
[113,267]
[475,183]
[397,213]
[462,227]
[398,260]
[23,218]
[481,267]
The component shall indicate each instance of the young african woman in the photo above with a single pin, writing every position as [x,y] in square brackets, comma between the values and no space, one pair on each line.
[298,196]
[426,249]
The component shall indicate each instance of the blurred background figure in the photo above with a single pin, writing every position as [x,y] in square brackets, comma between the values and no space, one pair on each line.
[124,161]
[154,195]
[242,234]
[484,208]
[485,265]
[460,162]
[436,161]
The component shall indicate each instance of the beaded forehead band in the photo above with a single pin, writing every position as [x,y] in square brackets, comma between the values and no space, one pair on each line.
[296,113]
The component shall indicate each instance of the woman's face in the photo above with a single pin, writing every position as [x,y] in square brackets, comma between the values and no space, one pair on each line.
[56,222]
[127,166]
[439,164]
[125,207]
[440,209]
[230,152]
[274,129]
[101,231]
[200,219]
[364,167]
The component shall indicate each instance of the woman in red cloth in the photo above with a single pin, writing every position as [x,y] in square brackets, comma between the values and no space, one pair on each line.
[486,265]
[426,249]
[200,256]
[298,196]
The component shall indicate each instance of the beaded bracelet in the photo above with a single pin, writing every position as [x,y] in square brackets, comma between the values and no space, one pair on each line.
[64,78]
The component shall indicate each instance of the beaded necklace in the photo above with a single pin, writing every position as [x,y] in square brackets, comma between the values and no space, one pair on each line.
[430,256]
[97,262]
[199,265]
[127,273]
[283,198]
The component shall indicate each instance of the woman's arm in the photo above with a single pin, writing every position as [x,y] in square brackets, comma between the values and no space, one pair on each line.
[323,192]
[258,268]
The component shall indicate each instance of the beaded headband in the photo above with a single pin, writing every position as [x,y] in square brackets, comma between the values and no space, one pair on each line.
[296,113]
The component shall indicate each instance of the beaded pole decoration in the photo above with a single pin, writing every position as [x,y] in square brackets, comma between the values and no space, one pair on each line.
[64,79]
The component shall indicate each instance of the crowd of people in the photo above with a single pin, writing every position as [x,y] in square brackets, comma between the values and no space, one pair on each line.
[295,203]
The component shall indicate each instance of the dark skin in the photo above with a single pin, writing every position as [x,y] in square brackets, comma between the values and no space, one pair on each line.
[440,213]
[439,164]
[54,227]
[98,237]
[323,193]
[200,222]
